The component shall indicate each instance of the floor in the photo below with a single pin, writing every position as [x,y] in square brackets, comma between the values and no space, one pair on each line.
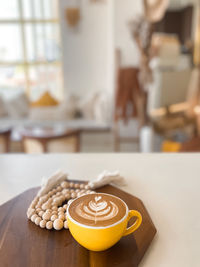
[104,142]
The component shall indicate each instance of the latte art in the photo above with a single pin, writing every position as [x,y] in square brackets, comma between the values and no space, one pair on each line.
[97,209]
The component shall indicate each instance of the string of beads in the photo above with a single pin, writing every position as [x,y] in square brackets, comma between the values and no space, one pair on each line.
[49,210]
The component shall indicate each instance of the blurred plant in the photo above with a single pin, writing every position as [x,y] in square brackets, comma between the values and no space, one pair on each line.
[142,29]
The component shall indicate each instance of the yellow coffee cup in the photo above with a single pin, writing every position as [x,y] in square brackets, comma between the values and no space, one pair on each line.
[98,238]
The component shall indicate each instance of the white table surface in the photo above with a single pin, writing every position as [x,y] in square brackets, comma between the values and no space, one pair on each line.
[168,184]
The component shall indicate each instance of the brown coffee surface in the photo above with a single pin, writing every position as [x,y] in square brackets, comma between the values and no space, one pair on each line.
[97,209]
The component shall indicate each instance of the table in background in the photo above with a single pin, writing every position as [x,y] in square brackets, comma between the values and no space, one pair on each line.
[43,139]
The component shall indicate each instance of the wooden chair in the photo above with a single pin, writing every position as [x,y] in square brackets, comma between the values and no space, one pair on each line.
[51,142]
[129,104]
[5,140]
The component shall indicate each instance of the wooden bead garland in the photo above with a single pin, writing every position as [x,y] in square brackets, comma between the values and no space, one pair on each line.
[49,210]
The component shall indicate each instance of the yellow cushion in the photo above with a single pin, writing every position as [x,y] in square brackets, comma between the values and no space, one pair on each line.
[170,146]
[45,100]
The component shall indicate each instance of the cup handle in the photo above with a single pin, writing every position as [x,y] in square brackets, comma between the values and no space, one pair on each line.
[132,228]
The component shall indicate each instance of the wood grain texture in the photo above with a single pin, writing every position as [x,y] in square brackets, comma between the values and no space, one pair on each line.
[22,243]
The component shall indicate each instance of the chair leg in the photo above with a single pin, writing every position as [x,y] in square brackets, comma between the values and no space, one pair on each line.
[7,143]
[78,143]
[117,145]
[116,138]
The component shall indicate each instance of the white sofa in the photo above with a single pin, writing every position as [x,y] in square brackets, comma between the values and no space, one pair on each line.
[18,114]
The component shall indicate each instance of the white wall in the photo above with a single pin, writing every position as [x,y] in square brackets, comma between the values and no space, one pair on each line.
[126,10]
[87,50]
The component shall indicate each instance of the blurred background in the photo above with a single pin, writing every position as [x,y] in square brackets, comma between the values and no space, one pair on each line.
[99,76]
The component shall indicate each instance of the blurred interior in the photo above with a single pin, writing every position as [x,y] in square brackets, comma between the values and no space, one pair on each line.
[99,76]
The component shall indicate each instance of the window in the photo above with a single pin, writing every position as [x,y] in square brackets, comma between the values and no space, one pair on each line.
[30,53]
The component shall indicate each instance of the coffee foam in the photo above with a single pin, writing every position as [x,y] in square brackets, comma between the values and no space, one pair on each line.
[97,209]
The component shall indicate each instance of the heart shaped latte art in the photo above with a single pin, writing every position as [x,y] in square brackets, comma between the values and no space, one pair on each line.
[97,198]
[97,210]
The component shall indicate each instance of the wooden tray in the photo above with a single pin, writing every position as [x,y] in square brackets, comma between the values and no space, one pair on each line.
[22,243]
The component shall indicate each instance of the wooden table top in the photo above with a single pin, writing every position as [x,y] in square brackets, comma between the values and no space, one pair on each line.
[26,244]
[168,184]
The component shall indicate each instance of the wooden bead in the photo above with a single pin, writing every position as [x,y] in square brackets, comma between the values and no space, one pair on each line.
[59,188]
[46,216]
[49,210]
[54,217]
[49,225]
[49,201]
[43,223]
[61,217]
[41,213]
[54,212]
[34,202]
[73,195]
[35,199]
[77,185]
[54,208]
[43,198]
[65,206]
[46,206]
[38,220]
[30,212]
[67,196]
[82,186]
[77,190]
[49,194]
[65,184]
[39,204]
[65,225]
[53,197]
[87,186]
[32,206]
[33,217]
[62,198]
[65,191]
[58,224]
[71,185]
[38,210]
[57,201]
[61,209]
